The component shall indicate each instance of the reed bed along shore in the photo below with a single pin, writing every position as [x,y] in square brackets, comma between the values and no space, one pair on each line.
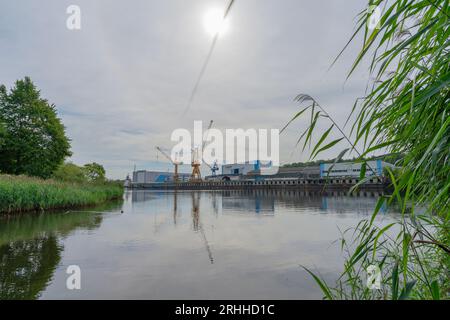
[22,194]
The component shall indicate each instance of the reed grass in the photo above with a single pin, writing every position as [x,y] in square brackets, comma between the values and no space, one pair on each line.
[22,193]
[406,111]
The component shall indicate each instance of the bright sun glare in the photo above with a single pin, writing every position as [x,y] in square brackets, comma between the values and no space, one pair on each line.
[214,22]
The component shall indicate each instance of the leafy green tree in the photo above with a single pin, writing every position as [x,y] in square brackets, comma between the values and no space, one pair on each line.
[69,172]
[2,134]
[35,142]
[2,125]
[94,172]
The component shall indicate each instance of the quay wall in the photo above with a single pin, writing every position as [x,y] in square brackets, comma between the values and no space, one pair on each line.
[335,184]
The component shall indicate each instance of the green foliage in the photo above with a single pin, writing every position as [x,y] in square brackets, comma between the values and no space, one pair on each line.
[407,112]
[21,193]
[391,158]
[94,172]
[306,164]
[91,172]
[34,139]
[2,134]
[69,172]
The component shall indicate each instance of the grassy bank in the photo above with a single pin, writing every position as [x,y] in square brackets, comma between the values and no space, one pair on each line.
[21,193]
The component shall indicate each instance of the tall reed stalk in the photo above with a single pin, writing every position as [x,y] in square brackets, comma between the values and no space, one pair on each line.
[405,111]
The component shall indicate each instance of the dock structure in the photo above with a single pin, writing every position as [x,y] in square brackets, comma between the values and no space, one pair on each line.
[249,176]
[341,183]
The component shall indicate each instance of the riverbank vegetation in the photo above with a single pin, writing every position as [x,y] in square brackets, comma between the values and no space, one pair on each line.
[33,147]
[22,193]
[405,111]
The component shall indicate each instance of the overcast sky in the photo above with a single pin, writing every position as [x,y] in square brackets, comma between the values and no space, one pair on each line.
[121,83]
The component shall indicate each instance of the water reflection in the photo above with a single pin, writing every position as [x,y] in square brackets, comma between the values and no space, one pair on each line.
[27,267]
[196,223]
[185,244]
[264,201]
[30,249]
[256,202]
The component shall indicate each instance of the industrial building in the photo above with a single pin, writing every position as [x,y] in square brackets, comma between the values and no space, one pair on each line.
[297,172]
[144,176]
[241,168]
[253,171]
[353,169]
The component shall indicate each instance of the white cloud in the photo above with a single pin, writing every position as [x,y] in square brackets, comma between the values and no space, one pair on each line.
[122,82]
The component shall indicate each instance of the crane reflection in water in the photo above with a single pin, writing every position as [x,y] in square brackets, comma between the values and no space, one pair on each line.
[33,247]
[197,224]
[261,203]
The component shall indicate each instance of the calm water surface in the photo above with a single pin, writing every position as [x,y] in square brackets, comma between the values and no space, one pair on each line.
[184,245]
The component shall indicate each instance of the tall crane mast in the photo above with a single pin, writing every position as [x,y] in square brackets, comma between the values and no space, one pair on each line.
[213,167]
[174,162]
[197,158]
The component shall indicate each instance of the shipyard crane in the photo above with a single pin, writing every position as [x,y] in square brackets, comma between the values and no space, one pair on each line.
[197,158]
[213,167]
[175,162]
[195,175]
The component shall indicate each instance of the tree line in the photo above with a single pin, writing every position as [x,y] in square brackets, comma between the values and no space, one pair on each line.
[33,139]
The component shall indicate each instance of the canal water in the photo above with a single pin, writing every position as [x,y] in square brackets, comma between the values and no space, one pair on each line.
[184,245]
